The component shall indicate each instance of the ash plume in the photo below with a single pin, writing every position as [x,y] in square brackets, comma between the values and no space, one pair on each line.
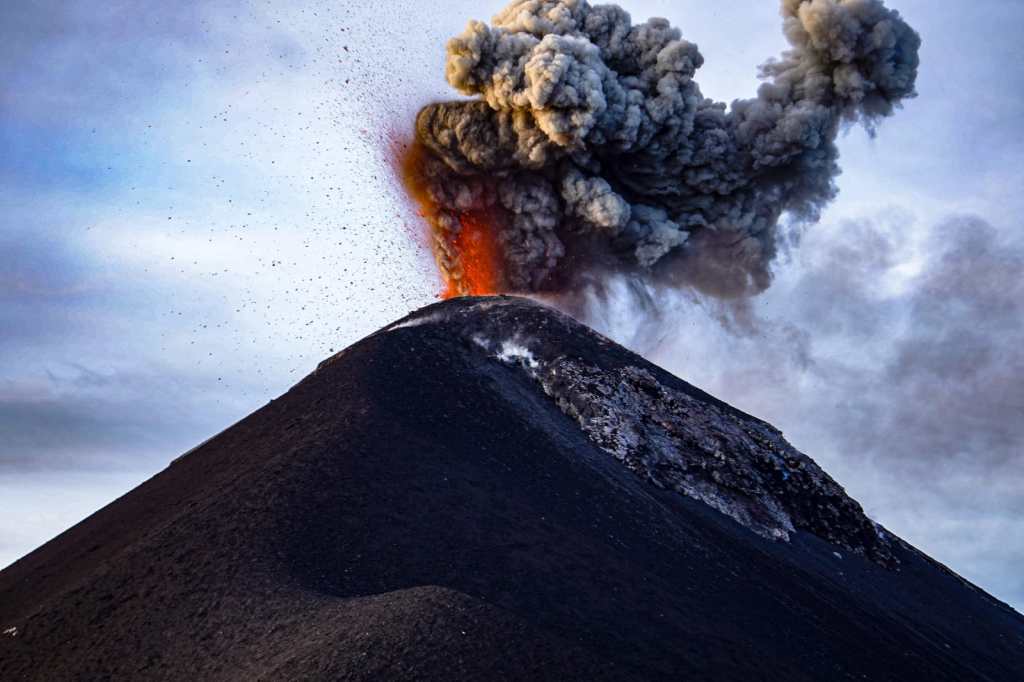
[590,146]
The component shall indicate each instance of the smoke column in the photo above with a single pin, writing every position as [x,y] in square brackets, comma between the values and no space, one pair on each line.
[588,148]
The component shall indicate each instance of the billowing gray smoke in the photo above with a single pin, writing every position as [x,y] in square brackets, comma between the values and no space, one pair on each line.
[593,143]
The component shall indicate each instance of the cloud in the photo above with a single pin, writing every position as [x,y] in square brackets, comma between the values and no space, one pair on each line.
[76,418]
[893,356]
[923,363]
[59,57]
[37,266]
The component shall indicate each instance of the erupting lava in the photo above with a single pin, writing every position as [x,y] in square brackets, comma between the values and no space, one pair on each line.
[478,260]
[468,256]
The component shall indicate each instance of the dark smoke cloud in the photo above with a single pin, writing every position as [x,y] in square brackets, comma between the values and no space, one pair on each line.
[590,136]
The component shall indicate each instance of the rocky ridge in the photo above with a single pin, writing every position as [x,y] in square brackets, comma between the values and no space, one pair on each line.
[664,430]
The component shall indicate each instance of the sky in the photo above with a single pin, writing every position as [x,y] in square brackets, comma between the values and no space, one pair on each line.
[198,204]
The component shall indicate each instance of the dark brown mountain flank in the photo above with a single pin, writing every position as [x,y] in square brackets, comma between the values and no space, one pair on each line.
[485,490]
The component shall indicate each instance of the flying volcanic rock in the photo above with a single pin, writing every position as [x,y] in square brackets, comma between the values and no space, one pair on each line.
[489,490]
[588,146]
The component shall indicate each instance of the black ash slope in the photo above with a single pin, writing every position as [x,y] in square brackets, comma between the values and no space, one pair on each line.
[483,490]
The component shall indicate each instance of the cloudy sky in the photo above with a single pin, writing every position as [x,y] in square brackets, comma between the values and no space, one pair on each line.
[197,204]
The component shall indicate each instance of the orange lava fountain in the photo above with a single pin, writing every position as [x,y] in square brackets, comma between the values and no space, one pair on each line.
[478,255]
[470,259]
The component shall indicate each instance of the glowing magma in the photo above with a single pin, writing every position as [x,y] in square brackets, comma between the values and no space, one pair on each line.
[469,259]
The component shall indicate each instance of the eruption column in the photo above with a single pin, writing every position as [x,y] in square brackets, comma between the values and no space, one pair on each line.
[589,148]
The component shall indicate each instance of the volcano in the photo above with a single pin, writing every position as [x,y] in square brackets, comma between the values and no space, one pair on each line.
[487,489]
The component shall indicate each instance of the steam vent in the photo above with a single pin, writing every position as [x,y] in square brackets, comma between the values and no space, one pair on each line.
[487,489]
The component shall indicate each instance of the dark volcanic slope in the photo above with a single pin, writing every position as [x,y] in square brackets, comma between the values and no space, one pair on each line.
[489,489]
